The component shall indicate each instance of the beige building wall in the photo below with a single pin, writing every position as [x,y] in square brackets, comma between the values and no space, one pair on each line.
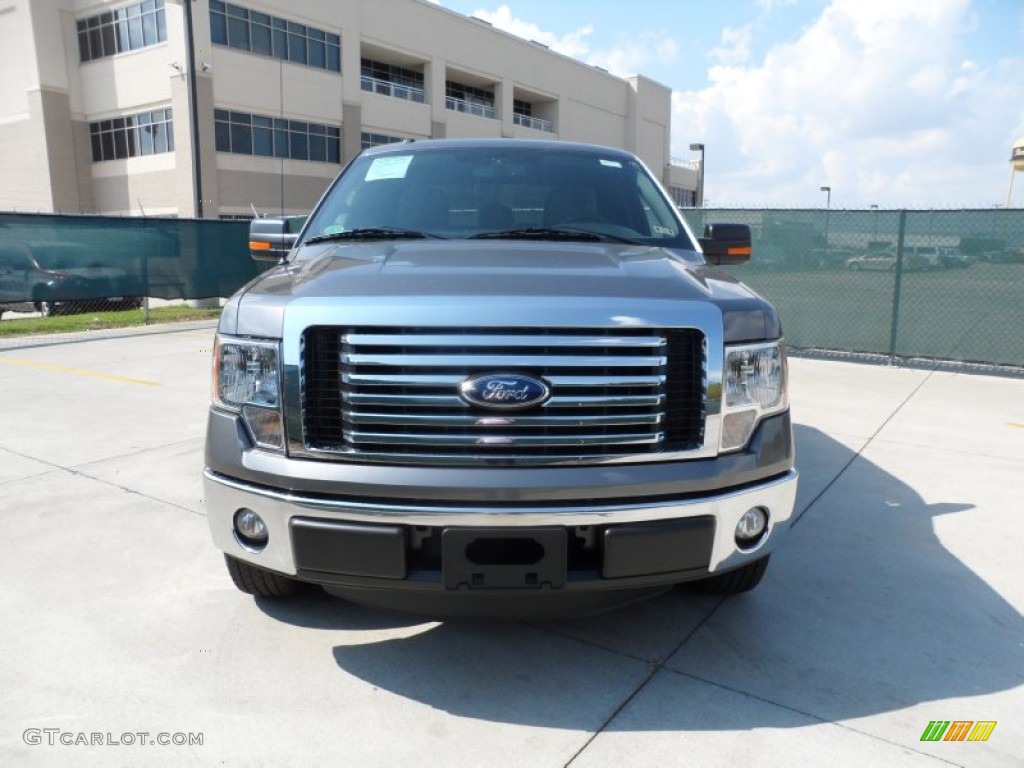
[33,104]
[48,98]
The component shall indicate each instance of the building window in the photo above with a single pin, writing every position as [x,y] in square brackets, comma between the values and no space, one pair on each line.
[147,133]
[522,114]
[241,133]
[376,139]
[391,80]
[683,197]
[125,29]
[247,30]
[474,101]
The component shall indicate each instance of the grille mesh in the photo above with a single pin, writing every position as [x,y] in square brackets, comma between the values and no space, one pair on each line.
[391,394]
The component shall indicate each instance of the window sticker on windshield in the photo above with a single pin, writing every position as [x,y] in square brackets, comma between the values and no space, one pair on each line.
[391,167]
[611,163]
[660,230]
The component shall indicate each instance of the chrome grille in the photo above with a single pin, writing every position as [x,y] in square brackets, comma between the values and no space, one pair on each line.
[391,394]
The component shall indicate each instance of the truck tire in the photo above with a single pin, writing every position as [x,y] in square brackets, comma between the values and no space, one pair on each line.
[259,581]
[742,579]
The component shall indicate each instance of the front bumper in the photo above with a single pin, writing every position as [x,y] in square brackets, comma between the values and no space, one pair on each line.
[376,543]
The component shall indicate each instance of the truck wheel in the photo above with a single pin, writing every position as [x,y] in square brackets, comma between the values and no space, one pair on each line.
[733,582]
[259,581]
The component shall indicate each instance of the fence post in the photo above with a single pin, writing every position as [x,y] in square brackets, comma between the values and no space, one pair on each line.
[144,248]
[895,323]
[145,284]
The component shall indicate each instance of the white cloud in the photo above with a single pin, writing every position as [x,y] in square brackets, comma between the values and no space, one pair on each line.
[571,44]
[771,5]
[874,98]
[628,58]
[734,47]
[632,57]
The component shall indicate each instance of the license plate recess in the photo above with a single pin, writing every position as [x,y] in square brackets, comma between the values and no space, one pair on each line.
[503,558]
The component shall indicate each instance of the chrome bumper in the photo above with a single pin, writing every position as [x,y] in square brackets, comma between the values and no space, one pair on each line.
[224,496]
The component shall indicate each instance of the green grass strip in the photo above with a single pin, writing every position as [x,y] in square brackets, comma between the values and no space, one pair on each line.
[95,321]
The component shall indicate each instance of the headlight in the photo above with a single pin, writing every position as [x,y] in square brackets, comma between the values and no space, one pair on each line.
[755,387]
[247,380]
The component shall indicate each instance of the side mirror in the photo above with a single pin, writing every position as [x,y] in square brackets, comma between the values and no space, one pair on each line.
[272,239]
[726,243]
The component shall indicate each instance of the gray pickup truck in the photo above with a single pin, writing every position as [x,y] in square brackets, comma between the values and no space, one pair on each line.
[498,377]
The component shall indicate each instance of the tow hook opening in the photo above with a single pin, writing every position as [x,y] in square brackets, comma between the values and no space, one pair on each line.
[515,551]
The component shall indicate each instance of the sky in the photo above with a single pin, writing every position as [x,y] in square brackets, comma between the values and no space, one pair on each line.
[894,103]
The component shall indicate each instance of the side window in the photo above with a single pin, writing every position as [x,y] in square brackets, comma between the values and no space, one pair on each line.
[12,259]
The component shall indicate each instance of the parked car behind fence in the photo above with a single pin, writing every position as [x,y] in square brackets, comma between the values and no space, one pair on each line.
[52,277]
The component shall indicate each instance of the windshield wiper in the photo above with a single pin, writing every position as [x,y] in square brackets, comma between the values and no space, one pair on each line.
[551,233]
[372,233]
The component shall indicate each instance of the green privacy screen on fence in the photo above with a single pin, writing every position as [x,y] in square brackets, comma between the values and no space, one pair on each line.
[85,259]
[936,284]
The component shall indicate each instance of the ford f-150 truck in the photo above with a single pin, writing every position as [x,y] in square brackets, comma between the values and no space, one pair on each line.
[498,377]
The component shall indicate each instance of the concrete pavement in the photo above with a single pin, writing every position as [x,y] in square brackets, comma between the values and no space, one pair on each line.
[896,601]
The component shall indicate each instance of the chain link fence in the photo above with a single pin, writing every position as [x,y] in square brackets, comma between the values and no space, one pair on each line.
[945,285]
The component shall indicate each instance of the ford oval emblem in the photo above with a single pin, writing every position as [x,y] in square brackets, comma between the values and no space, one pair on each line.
[504,391]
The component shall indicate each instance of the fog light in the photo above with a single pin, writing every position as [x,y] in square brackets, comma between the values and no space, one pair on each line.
[751,527]
[250,529]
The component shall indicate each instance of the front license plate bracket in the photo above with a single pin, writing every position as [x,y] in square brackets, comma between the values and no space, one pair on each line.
[503,558]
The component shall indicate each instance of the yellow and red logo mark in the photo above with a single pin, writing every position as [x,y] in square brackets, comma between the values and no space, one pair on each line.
[958,730]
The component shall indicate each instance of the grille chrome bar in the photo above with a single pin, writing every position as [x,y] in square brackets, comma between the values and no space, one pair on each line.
[498,361]
[500,420]
[391,394]
[503,440]
[453,401]
[454,379]
[500,341]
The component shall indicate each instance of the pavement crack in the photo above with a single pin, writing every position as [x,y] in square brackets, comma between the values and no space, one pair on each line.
[142,452]
[802,713]
[860,451]
[582,641]
[655,669]
[79,473]
[133,491]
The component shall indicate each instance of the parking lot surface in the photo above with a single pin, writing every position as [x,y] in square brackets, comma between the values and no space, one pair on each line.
[896,601]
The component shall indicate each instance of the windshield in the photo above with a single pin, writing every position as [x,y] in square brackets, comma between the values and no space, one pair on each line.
[513,192]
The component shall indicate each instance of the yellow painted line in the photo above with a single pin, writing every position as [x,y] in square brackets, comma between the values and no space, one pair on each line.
[1015,424]
[79,372]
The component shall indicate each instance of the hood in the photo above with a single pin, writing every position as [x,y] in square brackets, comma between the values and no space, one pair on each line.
[490,271]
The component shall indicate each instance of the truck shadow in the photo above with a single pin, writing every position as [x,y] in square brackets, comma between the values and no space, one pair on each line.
[864,611]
